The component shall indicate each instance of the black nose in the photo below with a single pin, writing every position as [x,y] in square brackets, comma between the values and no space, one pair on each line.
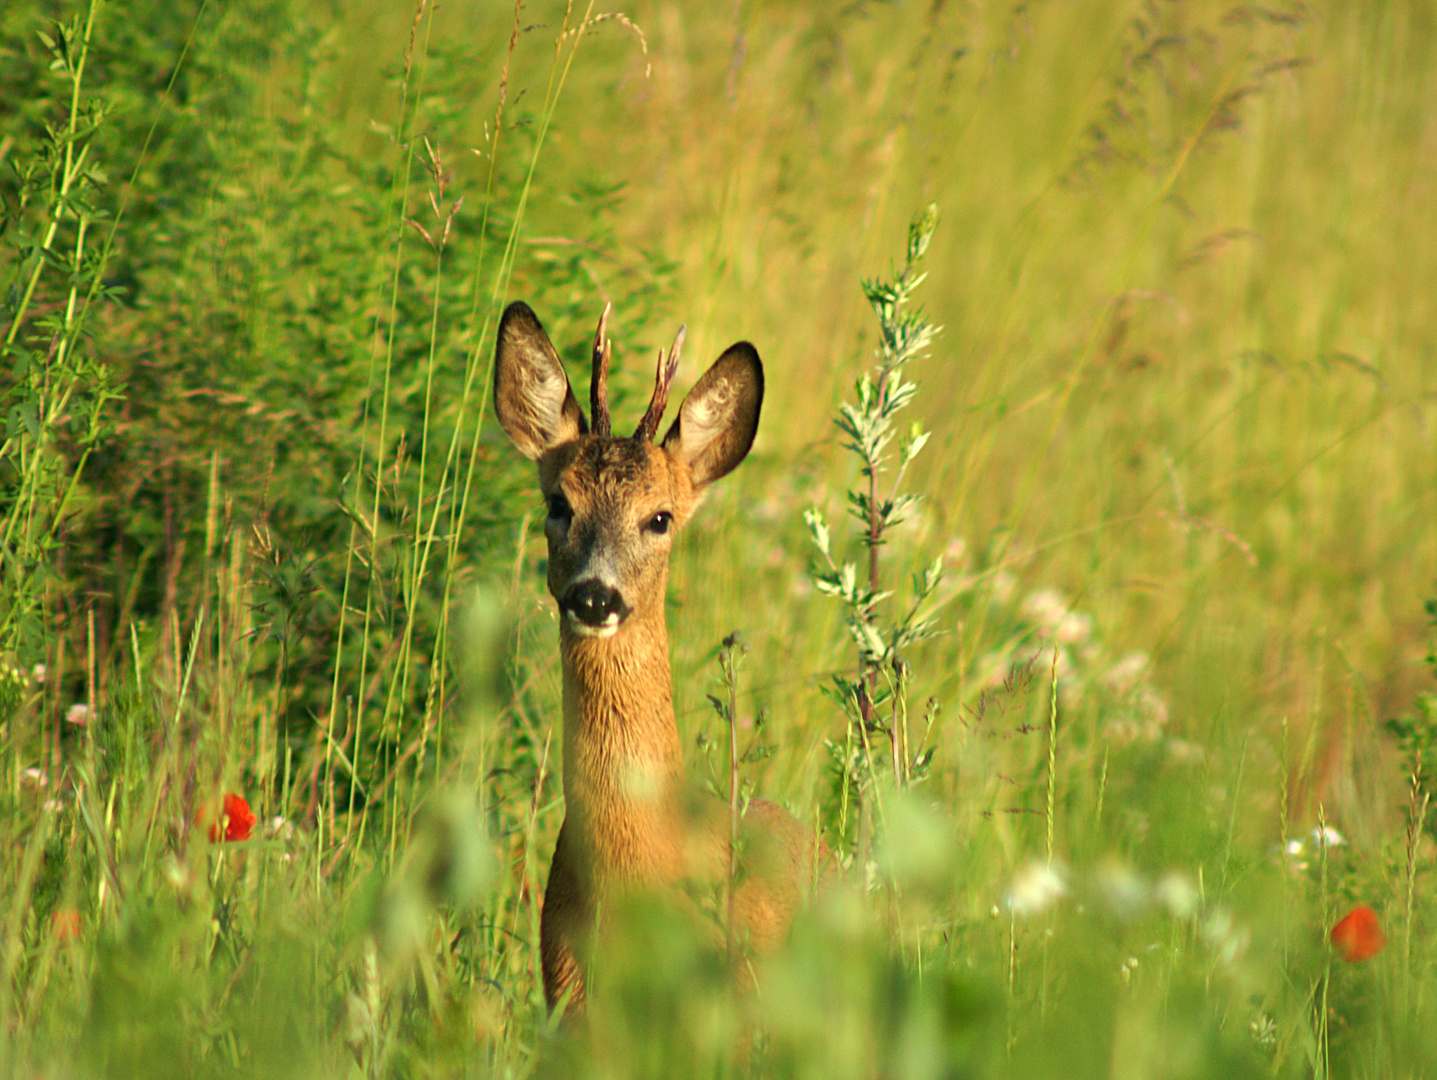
[592,603]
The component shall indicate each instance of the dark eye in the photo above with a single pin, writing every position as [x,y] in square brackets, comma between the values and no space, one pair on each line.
[559,508]
[660,522]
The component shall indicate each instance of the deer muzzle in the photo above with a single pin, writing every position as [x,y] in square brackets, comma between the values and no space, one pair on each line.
[592,608]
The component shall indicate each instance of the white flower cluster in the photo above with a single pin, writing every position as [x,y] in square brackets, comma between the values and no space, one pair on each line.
[1036,887]
[1298,852]
[1127,895]
[1046,620]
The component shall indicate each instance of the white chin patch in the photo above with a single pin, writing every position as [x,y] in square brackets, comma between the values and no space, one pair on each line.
[607,628]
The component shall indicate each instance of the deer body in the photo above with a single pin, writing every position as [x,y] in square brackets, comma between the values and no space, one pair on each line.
[614,505]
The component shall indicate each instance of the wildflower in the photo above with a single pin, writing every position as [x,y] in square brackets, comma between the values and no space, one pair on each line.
[1126,673]
[1121,729]
[176,874]
[1036,887]
[1154,711]
[1182,752]
[1178,894]
[1358,935]
[1122,887]
[66,924]
[1327,836]
[1045,608]
[37,674]
[1074,628]
[33,778]
[1003,585]
[235,821]
[1224,936]
[79,715]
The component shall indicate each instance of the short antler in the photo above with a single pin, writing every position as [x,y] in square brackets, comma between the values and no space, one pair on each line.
[663,378]
[599,383]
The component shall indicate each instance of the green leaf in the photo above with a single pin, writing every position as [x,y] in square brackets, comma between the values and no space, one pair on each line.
[920,233]
[818,529]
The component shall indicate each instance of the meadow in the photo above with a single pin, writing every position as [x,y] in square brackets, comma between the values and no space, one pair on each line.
[1151,705]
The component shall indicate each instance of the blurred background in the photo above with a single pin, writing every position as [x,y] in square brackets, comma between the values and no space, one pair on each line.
[261,535]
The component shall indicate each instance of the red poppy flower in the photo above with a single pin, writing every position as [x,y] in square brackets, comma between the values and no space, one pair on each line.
[1358,935]
[236,820]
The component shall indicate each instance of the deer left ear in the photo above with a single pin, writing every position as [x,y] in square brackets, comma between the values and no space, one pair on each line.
[532,397]
[719,418]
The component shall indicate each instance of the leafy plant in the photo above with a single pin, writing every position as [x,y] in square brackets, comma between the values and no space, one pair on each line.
[54,391]
[1416,734]
[875,700]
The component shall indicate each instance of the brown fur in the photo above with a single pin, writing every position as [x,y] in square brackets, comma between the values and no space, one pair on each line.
[628,824]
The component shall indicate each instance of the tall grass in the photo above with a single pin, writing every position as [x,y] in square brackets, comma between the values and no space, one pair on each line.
[260,538]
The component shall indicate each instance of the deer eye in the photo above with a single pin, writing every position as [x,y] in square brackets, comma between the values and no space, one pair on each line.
[660,522]
[559,509]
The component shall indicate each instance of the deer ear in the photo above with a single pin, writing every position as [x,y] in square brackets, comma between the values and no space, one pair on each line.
[719,418]
[532,397]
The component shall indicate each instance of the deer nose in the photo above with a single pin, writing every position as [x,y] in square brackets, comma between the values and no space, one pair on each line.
[594,604]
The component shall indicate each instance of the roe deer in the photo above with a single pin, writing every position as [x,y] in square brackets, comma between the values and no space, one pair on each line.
[614,505]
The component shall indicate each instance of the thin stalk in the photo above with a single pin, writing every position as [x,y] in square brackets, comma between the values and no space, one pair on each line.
[459,508]
[1102,787]
[893,734]
[399,190]
[1282,839]
[402,178]
[1416,818]
[13,939]
[847,784]
[423,540]
[506,261]
[865,814]
[730,675]
[1053,753]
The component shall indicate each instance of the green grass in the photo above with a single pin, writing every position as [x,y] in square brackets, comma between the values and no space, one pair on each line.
[258,520]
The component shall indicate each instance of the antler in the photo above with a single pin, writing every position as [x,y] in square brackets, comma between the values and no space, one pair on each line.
[649,425]
[599,383]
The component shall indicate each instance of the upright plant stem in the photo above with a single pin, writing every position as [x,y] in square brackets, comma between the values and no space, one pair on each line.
[1052,752]
[402,184]
[726,662]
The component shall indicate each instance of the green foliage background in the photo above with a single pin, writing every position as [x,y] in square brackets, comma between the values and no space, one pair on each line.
[258,524]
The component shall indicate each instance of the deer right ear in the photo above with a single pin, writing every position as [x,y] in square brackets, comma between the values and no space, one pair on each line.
[532,397]
[719,418]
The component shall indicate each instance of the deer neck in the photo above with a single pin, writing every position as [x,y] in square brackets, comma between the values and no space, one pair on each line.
[622,760]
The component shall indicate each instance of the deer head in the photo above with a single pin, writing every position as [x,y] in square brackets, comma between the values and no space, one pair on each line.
[614,504]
